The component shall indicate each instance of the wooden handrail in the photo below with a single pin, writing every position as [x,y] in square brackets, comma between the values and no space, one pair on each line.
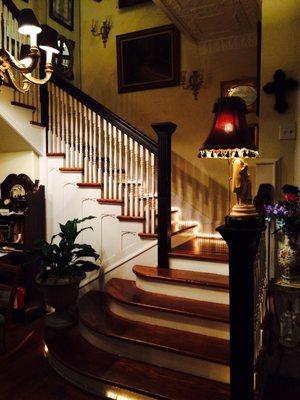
[104,112]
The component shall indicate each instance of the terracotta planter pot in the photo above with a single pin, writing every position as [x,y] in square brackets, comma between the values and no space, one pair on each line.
[60,293]
[288,256]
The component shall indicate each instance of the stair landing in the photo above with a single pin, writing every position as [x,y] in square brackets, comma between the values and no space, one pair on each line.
[202,249]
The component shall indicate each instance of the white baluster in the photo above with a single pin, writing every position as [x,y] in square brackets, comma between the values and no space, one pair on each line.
[94,147]
[50,121]
[99,131]
[76,134]
[110,161]
[120,184]
[131,182]
[58,124]
[90,139]
[153,200]
[115,165]
[62,124]
[142,166]
[86,144]
[126,175]
[147,199]
[72,130]
[66,127]
[136,179]
[105,155]
[81,130]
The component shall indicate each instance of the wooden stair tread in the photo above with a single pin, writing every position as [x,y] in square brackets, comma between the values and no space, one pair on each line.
[56,154]
[74,352]
[130,218]
[89,185]
[202,249]
[183,276]
[37,123]
[71,169]
[127,292]
[95,315]
[110,201]
[28,106]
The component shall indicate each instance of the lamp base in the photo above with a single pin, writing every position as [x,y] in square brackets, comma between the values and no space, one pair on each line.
[243,211]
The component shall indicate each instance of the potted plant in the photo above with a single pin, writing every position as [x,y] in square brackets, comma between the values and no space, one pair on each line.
[64,264]
[286,215]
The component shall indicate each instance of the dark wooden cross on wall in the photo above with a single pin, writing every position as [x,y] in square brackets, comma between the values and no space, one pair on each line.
[279,87]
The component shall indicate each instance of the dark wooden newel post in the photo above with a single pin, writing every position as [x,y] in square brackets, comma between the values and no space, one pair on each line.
[164,131]
[242,237]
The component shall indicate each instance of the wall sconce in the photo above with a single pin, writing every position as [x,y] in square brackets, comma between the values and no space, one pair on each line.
[194,82]
[103,31]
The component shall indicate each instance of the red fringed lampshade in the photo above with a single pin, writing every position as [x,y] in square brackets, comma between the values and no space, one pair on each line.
[229,136]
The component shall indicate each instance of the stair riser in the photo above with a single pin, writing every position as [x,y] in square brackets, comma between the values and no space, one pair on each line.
[188,291]
[189,264]
[182,237]
[93,386]
[159,357]
[171,320]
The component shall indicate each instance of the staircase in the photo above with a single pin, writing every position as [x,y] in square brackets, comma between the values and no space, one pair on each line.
[162,335]
[145,331]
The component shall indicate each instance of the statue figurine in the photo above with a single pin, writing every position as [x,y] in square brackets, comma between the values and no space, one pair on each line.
[241,185]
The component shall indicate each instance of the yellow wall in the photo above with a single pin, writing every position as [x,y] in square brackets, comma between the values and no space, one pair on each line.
[280,49]
[23,162]
[205,182]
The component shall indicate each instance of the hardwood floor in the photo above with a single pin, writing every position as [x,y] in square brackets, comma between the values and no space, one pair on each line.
[26,375]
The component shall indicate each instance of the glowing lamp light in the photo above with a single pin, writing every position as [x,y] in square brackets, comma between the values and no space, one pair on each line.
[228,127]
[229,135]
[19,72]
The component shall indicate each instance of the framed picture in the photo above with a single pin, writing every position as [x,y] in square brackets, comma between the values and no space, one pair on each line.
[244,88]
[64,61]
[62,11]
[129,3]
[254,133]
[148,59]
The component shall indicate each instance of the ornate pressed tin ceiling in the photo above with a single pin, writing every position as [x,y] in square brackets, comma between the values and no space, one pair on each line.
[215,24]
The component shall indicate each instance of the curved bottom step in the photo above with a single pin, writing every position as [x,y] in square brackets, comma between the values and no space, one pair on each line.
[104,374]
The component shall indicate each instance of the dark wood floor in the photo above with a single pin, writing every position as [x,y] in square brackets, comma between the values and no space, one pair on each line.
[26,375]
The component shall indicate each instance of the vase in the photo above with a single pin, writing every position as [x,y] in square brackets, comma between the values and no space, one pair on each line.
[60,293]
[288,256]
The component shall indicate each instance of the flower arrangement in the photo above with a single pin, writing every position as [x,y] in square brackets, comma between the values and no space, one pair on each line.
[286,213]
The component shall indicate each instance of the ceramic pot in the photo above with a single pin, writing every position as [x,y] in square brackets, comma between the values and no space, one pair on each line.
[288,256]
[60,293]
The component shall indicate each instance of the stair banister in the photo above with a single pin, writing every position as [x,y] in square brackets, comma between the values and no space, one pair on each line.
[105,113]
[164,131]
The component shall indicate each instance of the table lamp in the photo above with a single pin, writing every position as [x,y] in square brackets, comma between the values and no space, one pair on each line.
[230,138]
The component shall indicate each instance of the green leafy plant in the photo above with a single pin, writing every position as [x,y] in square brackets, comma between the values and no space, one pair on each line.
[67,258]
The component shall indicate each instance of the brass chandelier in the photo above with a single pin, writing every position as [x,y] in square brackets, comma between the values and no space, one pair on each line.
[19,72]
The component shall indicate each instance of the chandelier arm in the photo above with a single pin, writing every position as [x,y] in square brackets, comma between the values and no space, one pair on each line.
[13,80]
[7,58]
[37,81]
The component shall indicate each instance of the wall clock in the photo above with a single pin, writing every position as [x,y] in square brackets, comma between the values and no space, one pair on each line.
[64,61]
[244,88]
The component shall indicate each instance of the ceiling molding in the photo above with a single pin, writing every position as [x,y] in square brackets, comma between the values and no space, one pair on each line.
[215,25]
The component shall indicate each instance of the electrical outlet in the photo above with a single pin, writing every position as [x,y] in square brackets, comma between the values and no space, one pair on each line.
[287,132]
